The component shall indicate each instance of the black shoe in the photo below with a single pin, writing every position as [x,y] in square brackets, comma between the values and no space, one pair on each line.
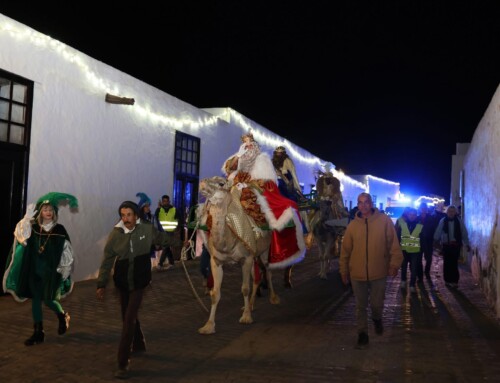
[379,327]
[363,340]
[138,347]
[122,373]
[63,322]
[37,337]
[428,276]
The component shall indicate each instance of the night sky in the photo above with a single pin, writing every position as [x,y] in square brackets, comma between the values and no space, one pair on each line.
[383,88]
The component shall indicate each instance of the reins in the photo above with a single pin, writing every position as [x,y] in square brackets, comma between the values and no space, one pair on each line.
[184,258]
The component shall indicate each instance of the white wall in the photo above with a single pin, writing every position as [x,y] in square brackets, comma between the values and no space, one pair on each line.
[381,188]
[102,153]
[481,205]
[105,153]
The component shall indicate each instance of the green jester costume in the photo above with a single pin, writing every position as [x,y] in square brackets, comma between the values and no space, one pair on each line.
[40,263]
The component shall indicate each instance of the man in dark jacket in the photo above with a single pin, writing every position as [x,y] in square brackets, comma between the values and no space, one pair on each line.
[426,219]
[452,234]
[128,252]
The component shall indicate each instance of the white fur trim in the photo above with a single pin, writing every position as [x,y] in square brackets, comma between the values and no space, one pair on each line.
[279,224]
[300,254]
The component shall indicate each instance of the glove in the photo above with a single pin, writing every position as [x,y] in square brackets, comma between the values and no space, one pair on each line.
[242,151]
[241,185]
[23,227]
[30,211]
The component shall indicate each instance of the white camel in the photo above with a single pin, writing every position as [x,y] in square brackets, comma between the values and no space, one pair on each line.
[233,238]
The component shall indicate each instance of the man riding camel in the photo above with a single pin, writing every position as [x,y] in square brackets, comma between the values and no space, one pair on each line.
[254,179]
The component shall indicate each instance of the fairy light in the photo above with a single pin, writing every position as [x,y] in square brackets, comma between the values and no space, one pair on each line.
[95,82]
[99,84]
[368,177]
[430,200]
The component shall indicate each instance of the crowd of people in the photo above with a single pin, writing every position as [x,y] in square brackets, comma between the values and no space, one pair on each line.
[373,249]
[40,263]
[420,232]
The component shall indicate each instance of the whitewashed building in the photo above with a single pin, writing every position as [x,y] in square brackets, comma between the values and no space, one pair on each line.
[72,124]
[480,192]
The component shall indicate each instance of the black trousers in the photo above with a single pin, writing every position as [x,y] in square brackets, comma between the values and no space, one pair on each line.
[167,253]
[427,249]
[450,263]
[132,336]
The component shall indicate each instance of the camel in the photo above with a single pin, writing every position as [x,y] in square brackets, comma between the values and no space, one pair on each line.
[327,230]
[233,238]
[329,220]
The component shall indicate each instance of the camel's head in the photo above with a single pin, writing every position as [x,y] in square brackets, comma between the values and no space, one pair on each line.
[208,186]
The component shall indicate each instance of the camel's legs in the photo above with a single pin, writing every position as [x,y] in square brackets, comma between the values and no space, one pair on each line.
[217,274]
[322,253]
[273,297]
[246,270]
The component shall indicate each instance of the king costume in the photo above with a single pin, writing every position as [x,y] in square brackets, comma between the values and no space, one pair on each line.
[254,180]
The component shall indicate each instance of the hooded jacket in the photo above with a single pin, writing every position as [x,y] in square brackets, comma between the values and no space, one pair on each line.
[370,246]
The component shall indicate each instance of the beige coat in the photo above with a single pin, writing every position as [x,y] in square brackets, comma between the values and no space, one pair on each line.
[369,248]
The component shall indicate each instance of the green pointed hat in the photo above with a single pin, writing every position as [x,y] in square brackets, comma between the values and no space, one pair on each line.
[55,199]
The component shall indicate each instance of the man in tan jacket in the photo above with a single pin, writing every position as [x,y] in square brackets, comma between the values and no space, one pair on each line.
[370,252]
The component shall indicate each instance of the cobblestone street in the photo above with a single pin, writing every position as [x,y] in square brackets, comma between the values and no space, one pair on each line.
[435,335]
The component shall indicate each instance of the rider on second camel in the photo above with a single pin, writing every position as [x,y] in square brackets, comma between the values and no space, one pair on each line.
[328,190]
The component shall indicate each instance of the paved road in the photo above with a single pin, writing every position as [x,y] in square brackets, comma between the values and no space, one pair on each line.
[435,335]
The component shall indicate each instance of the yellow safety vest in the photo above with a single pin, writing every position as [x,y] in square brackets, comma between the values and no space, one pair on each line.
[410,242]
[167,219]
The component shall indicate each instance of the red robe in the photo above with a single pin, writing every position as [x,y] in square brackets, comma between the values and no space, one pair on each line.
[287,244]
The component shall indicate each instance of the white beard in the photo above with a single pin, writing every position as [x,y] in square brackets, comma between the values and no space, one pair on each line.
[247,160]
[263,168]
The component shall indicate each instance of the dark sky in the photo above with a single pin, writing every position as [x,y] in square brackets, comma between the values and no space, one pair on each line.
[383,88]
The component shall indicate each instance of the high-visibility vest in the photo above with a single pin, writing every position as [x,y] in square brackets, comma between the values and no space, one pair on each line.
[410,242]
[167,219]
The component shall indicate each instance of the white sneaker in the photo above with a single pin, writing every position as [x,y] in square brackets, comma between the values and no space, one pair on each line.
[159,267]
[168,266]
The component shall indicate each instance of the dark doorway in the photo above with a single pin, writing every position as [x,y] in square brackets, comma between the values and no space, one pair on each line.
[16,100]
[186,173]
[11,196]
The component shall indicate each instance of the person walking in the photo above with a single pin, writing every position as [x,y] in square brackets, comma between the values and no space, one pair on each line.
[127,251]
[145,213]
[451,234]
[427,243]
[41,262]
[167,219]
[370,252]
[410,234]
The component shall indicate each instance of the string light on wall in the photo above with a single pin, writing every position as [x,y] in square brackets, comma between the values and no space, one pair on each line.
[381,180]
[100,85]
[94,81]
